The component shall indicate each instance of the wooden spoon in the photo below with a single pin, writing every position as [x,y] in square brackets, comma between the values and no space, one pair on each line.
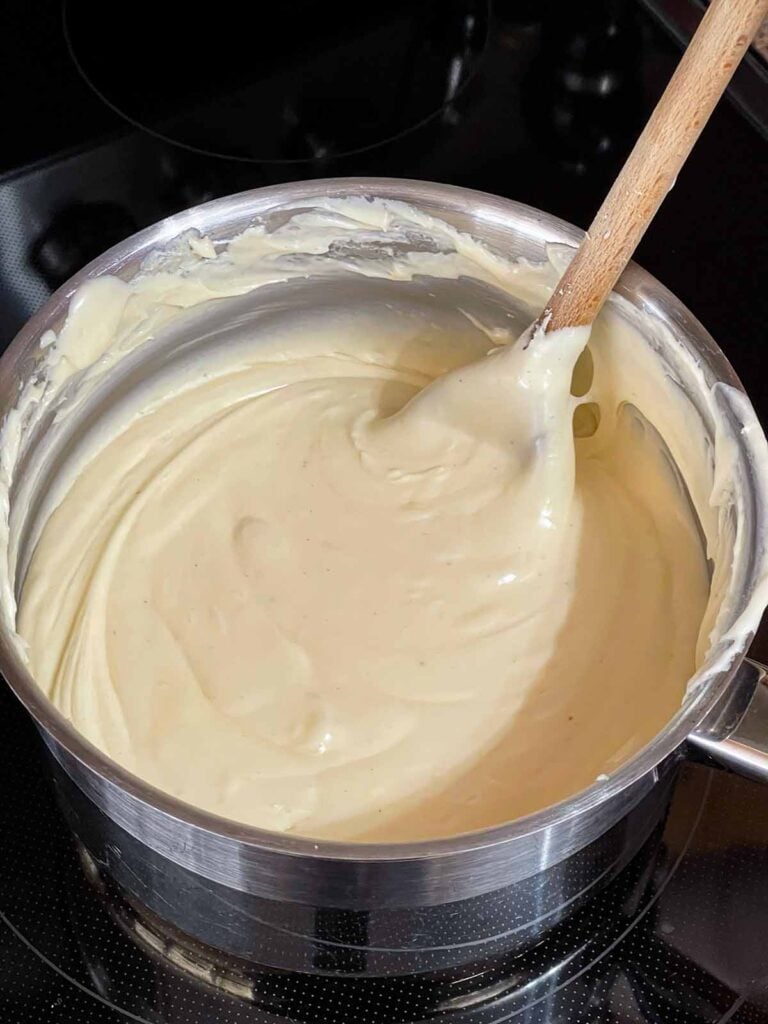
[702,75]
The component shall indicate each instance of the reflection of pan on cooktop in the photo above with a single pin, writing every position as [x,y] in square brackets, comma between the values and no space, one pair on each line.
[313,80]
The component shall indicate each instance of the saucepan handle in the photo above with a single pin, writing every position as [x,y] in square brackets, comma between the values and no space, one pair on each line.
[736,737]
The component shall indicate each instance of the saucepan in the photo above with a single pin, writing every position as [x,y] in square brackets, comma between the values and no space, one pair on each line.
[289,902]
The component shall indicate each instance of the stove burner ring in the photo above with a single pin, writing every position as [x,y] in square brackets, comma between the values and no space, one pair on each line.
[326,81]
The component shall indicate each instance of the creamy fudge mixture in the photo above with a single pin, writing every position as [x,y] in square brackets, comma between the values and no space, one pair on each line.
[357,575]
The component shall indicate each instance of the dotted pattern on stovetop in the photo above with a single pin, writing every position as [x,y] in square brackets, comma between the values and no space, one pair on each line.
[664,943]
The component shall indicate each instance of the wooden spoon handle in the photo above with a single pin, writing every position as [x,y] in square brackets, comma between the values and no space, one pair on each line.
[702,75]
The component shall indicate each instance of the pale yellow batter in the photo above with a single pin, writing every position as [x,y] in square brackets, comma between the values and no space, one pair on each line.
[358,580]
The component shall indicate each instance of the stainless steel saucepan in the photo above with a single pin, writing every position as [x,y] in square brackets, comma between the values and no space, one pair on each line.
[289,902]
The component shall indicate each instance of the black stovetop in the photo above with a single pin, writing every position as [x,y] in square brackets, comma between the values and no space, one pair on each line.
[535,100]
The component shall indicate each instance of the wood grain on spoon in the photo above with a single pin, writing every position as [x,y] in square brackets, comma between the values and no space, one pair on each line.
[702,75]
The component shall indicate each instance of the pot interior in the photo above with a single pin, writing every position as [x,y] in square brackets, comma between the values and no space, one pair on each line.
[72,423]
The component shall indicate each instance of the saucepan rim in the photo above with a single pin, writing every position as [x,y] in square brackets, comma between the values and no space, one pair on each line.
[484,208]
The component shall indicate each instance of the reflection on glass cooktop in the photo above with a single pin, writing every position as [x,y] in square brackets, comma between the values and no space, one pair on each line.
[676,939]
